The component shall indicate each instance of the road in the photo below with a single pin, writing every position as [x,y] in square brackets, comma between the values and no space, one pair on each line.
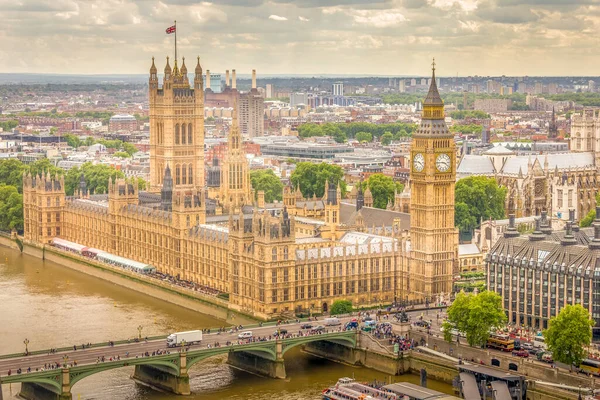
[91,355]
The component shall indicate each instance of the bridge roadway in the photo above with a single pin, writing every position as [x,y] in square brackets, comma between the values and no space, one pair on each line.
[90,355]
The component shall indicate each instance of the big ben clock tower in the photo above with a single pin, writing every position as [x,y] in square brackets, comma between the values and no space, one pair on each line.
[434,239]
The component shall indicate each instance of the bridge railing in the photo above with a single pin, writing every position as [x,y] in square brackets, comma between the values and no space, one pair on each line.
[70,348]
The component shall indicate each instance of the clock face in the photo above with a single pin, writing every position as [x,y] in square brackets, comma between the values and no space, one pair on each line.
[442,162]
[419,162]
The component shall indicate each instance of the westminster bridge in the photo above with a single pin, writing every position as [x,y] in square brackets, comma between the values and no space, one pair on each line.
[158,367]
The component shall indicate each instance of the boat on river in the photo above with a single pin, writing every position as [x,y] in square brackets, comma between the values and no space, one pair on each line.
[349,389]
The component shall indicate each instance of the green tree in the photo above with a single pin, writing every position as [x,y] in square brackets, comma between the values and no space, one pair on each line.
[382,188]
[310,130]
[129,148]
[9,125]
[482,197]
[568,333]
[387,138]
[89,141]
[475,315]
[265,179]
[43,166]
[72,140]
[141,183]
[96,177]
[364,137]
[591,216]
[341,307]
[311,178]
[11,173]
[122,154]
[11,208]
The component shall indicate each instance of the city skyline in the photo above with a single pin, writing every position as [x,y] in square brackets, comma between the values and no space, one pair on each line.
[345,37]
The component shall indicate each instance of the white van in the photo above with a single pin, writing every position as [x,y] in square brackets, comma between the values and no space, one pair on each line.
[332,321]
[245,335]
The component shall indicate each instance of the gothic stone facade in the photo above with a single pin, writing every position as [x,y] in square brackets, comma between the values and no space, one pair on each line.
[256,254]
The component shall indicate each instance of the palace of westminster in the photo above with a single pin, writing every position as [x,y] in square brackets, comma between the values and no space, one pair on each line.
[272,259]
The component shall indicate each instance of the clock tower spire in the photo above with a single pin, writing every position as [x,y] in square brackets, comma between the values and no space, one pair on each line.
[434,239]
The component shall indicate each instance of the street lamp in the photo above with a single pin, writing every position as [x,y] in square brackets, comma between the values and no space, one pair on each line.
[26,342]
[139,328]
[65,358]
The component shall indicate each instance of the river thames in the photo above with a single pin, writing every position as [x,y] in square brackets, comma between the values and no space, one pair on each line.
[53,306]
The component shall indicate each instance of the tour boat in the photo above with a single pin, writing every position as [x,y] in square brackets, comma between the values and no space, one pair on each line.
[349,389]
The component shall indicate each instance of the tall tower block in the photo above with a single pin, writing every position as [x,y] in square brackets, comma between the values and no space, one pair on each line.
[432,177]
[176,127]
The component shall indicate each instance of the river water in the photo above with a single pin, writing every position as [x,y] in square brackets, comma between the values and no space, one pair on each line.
[53,306]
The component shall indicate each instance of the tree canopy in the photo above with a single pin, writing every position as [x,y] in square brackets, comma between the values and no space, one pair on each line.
[475,315]
[477,198]
[568,333]
[364,137]
[387,138]
[340,132]
[96,177]
[591,216]
[311,178]
[11,208]
[466,114]
[383,188]
[42,166]
[11,173]
[341,307]
[265,179]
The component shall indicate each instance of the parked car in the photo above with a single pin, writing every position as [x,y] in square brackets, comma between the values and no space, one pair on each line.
[306,326]
[521,353]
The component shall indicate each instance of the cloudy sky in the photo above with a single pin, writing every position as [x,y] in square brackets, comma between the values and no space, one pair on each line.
[386,37]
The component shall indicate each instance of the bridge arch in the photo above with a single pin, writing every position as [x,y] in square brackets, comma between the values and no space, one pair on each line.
[267,352]
[79,373]
[54,383]
[344,339]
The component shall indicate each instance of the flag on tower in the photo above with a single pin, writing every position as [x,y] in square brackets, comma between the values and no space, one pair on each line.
[171,29]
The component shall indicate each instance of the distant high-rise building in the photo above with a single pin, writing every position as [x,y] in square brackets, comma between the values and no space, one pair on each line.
[269,91]
[423,81]
[522,87]
[338,89]
[298,98]
[402,86]
[592,86]
[413,82]
[539,88]
[252,111]
[552,88]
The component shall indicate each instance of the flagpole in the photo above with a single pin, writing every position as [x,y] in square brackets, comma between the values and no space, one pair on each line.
[175,42]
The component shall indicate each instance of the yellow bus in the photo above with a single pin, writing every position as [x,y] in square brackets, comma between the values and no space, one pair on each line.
[590,366]
[501,342]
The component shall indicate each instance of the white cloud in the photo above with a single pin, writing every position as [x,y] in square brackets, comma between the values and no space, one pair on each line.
[377,18]
[277,18]
[303,19]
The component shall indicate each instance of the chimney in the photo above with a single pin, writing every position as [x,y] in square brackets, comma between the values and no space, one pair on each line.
[261,199]
[572,215]
[253,79]
[537,234]
[568,239]
[207,84]
[226,78]
[233,80]
[511,231]
[595,243]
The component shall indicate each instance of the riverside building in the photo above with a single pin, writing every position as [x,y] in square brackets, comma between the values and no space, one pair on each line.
[272,259]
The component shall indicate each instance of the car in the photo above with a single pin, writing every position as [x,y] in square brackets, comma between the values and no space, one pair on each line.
[521,353]
[318,329]
[545,357]
[526,346]
[245,335]
[306,326]
[281,331]
[423,323]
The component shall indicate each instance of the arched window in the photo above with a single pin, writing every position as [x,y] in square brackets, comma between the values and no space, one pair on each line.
[177,135]
[183,174]
[183,133]
[177,175]
[190,133]
[191,175]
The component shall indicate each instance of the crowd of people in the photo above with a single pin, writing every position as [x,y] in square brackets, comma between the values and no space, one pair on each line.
[184,283]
